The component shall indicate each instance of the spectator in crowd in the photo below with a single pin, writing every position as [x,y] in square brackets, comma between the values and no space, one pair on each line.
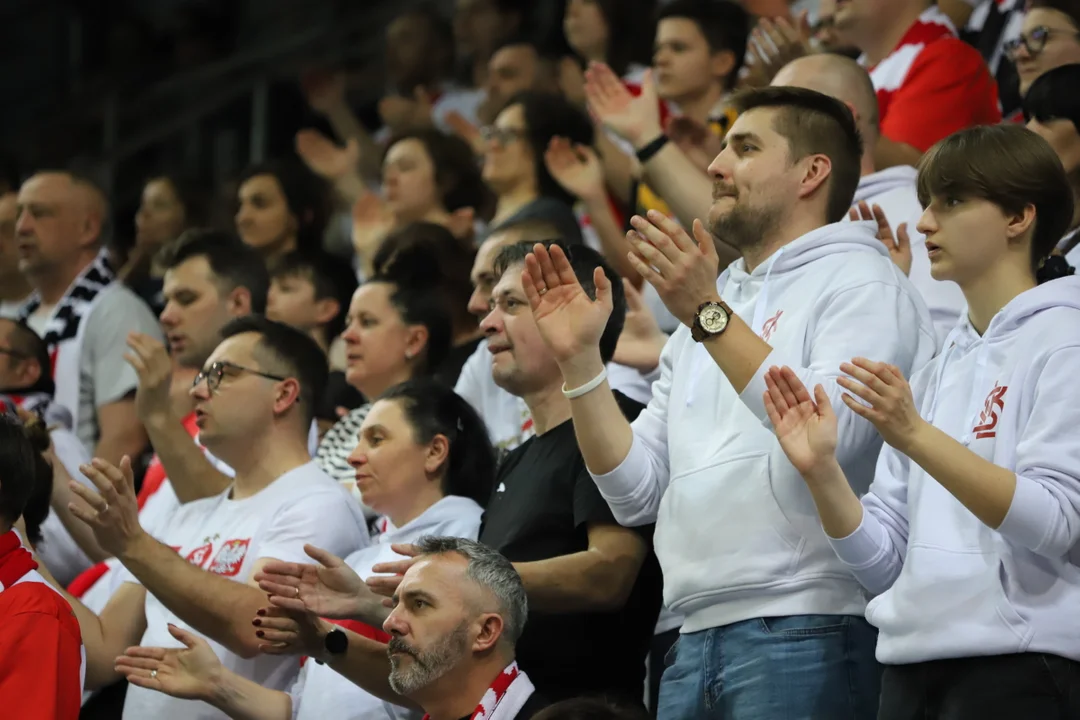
[1050,38]
[517,66]
[992,26]
[605,31]
[586,576]
[422,243]
[169,205]
[397,329]
[281,208]
[66,547]
[967,488]
[14,288]
[481,26]
[40,644]
[457,616]
[881,195]
[929,83]
[782,184]
[81,312]
[1053,109]
[514,160]
[255,402]
[312,293]
[425,462]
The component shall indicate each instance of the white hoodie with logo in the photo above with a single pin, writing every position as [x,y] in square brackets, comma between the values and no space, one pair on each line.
[894,191]
[737,533]
[950,586]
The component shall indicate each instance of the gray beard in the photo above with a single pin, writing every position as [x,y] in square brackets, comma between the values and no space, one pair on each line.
[427,666]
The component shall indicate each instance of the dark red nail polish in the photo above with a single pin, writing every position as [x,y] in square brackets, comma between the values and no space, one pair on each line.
[261,613]
[256,622]
[259,633]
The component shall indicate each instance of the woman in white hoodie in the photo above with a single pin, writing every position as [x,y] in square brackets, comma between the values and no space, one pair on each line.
[425,463]
[969,533]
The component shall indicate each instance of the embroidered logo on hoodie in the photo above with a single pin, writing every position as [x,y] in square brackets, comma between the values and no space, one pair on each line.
[988,418]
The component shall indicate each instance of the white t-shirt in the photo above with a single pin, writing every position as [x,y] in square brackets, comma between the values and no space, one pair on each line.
[227,537]
[321,693]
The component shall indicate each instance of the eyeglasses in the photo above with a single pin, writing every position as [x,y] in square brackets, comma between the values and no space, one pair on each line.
[501,135]
[1034,42]
[213,374]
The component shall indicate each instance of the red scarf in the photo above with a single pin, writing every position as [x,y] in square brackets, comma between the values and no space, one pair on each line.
[506,696]
[15,560]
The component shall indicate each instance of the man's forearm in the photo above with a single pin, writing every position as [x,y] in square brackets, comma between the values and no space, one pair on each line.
[738,351]
[603,433]
[191,474]
[243,699]
[366,665]
[115,443]
[215,607]
[579,583]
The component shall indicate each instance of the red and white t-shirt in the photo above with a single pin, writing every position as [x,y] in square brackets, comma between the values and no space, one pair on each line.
[227,537]
[42,663]
[933,84]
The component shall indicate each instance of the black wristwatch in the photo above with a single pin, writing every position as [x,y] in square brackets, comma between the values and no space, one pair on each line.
[711,320]
[336,642]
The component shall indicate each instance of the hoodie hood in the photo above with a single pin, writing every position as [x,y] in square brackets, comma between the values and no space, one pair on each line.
[883,181]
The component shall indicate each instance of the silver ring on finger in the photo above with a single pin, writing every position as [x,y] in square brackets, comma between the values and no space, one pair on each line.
[106,508]
[542,291]
[153,674]
[297,591]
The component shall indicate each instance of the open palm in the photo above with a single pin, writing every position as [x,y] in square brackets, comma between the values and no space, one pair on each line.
[570,322]
[804,425]
[372,221]
[189,672]
[576,168]
[326,159]
[330,589]
[637,119]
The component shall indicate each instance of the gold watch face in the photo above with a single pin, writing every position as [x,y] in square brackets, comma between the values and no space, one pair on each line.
[713,319]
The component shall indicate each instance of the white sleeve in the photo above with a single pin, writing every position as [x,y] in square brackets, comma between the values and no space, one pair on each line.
[633,489]
[474,377]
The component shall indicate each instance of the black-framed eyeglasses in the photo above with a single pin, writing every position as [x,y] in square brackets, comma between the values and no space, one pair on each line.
[1034,42]
[213,374]
[501,135]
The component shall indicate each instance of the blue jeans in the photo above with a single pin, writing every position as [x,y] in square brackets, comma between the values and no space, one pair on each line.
[805,667]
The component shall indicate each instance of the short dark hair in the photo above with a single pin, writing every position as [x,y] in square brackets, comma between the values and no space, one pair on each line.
[29,345]
[814,123]
[331,277]
[1052,96]
[18,469]
[725,24]
[1069,8]
[630,32]
[583,260]
[234,264]
[191,194]
[37,505]
[410,294]
[458,178]
[587,708]
[284,350]
[434,409]
[450,259]
[548,115]
[306,194]
[1009,166]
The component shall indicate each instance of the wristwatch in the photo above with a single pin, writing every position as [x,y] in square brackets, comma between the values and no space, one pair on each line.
[336,642]
[711,320]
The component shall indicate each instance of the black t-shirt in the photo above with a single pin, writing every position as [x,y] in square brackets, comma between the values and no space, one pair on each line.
[543,501]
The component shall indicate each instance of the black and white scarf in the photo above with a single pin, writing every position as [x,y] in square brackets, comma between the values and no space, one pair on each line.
[66,327]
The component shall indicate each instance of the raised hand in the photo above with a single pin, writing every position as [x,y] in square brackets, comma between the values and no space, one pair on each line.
[891,404]
[804,425]
[113,512]
[576,168]
[683,270]
[899,247]
[642,340]
[190,673]
[151,361]
[570,322]
[285,632]
[372,221]
[390,573]
[326,159]
[330,589]
[773,44]
[637,119]
[697,142]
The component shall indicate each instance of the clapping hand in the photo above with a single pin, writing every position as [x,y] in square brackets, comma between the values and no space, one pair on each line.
[576,168]
[889,403]
[804,425]
[637,119]
[372,221]
[153,365]
[113,512]
[326,159]
[899,247]
[773,44]
[641,340]
[190,672]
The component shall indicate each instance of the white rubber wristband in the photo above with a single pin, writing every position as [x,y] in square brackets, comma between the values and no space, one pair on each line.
[587,387]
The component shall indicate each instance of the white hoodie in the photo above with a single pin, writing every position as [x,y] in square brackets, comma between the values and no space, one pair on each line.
[894,190]
[951,586]
[320,693]
[737,534]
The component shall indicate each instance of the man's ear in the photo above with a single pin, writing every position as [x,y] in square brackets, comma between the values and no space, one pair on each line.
[326,310]
[488,633]
[239,302]
[29,372]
